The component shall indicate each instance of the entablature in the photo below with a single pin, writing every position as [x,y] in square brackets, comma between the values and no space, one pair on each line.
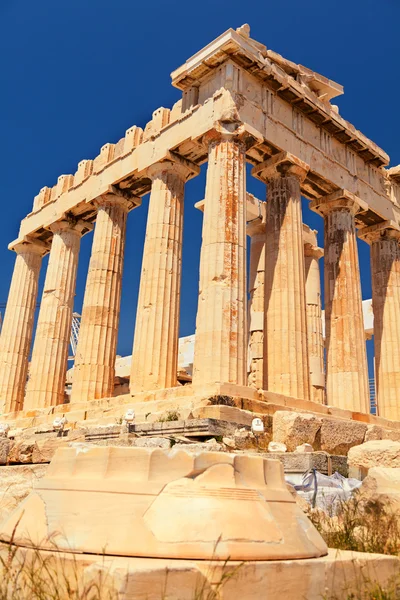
[297,85]
[232,82]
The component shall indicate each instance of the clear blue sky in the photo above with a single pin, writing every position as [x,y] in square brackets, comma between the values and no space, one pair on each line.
[75,75]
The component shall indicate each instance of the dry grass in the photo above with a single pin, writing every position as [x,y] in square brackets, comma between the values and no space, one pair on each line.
[34,575]
[170,415]
[219,400]
[371,591]
[363,525]
[31,574]
[360,525]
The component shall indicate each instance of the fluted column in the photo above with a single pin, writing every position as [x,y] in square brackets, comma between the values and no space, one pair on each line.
[221,326]
[385,266]
[48,368]
[257,232]
[347,373]
[155,347]
[16,333]
[286,367]
[312,254]
[94,369]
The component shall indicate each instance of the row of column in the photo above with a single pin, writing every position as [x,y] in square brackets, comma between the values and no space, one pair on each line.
[221,329]
[158,307]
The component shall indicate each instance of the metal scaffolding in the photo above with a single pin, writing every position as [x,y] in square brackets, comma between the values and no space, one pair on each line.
[76,323]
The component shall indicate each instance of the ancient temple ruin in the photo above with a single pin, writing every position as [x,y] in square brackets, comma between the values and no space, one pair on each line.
[241,103]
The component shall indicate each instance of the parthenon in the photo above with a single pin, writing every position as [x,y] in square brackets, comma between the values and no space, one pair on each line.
[258,333]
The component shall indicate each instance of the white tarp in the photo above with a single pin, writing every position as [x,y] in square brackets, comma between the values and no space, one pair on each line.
[323,491]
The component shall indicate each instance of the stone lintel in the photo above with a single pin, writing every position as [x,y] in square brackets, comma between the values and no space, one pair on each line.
[176,163]
[386,229]
[281,165]
[337,200]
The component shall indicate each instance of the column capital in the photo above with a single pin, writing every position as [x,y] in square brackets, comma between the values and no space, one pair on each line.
[183,168]
[233,130]
[116,196]
[256,226]
[72,225]
[338,200]
[313,251]
[28,244]
[283,164]
[388,230]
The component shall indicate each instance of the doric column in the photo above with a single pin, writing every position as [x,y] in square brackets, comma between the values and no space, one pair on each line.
[312,254]
[16,333]
[347,373]
[286,369]
[385,266]
[47,371]
[94,369]
[221,326]
[257,232]
[155,347]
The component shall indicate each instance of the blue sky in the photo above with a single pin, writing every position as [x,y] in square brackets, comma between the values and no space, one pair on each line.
[75,75]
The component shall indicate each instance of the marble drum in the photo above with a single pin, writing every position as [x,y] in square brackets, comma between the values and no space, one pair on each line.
[164,503]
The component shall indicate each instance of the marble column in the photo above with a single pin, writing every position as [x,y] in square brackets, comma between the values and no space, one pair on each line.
[312,254]
[286,365]
[155,347]
[220,353]
[346,358]
[94,369]
[385,266]
[16,333]
[257,232]
[48,368]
